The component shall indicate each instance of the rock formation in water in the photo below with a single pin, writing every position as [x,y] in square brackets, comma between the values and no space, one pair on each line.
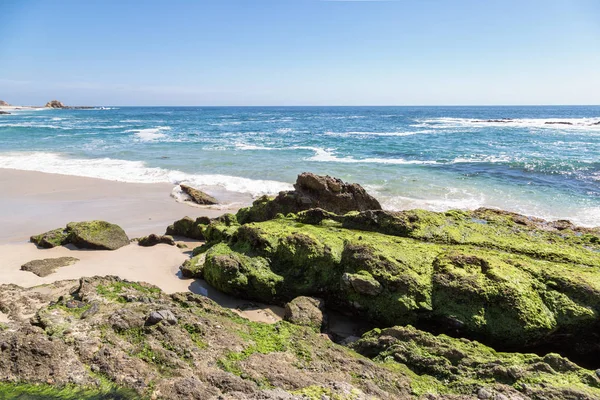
[198,196]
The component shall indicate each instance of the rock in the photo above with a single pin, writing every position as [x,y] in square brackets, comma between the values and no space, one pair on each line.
[198,196]
[306,311]
[97,235]
[4,104]
[193,267]
[363,283]
[4,113]
[188,227]
[156,317]
[90,312]
[484,394]
[56,237]
[558,123]
[153,240]
[54,104]
[47,266]
[311,191]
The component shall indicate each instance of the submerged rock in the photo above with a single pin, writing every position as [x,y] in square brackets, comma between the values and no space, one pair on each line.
[48,266]
[311,191]
[306,311]
[96,235]
[153,240]
[198,196]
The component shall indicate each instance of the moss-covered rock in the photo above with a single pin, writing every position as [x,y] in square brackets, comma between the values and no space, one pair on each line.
[153,240]
[306,311]
[470,367]
[96,235]
[510,298]
[53,238]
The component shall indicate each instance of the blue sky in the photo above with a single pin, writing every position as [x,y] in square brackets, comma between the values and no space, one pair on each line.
[300,52]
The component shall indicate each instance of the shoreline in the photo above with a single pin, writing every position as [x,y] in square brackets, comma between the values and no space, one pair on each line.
[32,202]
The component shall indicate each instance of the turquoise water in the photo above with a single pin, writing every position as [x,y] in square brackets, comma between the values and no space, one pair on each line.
[426,157]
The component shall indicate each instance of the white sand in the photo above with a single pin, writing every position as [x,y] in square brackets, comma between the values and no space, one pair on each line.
[35,202]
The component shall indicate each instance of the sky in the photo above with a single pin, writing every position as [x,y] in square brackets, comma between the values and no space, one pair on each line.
[300,52]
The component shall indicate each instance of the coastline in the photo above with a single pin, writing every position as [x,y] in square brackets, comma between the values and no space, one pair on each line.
[33,202]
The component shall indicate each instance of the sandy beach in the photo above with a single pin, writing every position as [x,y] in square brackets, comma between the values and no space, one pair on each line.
[35,202]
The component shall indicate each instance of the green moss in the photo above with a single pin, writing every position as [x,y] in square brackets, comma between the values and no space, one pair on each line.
[115,290]
[23,391]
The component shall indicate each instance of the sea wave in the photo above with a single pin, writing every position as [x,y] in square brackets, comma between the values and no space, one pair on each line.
[591,124]
[133,172]
[325,155]
[398,133]
[150,134]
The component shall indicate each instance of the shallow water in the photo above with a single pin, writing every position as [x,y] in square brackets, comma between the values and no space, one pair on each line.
[542,161]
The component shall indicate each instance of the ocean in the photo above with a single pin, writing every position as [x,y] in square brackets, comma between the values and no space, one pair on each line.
[539,161]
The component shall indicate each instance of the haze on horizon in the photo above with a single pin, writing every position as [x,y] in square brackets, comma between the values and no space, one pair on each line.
[300,52]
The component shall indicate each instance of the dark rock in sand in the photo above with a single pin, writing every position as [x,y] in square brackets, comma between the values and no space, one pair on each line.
[311,191]
[153,240]
[96,235]
[198,196]
[47,266]
[54,238]
[306,311]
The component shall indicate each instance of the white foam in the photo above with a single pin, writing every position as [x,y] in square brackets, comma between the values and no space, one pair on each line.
[399,133]
[150,134]
[586,124]
[134,172]
[326,155]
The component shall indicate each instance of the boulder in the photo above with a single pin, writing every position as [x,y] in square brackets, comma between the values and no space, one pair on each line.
[362,283]
[306,311]
[311,191]
[47,266]
[54,104]
[153,240]
[156,317]
[198,196]
[188,227]
[96,235]
[53,238]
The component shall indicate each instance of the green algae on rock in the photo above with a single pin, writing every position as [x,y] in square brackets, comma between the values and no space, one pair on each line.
[96,235]
[466,366]
[212,353]
[493,290]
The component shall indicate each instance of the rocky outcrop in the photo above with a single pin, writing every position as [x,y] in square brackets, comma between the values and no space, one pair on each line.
[95,235]
[48,266]
[107,338]
[198,196]
[306,311]
[503,278]
[4,113]
[459,363]
[4,104]
[54,104]
[153,240]
[311,191]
